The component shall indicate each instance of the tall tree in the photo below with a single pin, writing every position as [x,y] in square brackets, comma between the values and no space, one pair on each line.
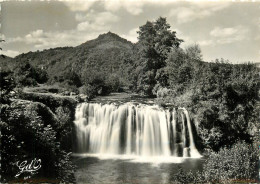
[156,41]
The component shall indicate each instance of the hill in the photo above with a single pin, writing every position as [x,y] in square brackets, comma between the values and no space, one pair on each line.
[105,53]
[6,62]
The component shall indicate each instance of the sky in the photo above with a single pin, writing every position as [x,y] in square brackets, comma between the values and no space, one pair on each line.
[222,29]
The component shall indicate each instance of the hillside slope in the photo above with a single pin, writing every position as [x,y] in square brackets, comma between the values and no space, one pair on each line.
[104,54]
[6,62]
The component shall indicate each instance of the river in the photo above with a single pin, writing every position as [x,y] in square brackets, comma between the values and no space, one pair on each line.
[132,142]
[119,171]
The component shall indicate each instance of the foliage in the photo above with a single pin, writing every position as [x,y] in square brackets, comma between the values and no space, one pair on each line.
[239,163]
[52,102]
[6,85]
[188,177]
[70,67]
[87,90]
[222,96]
[27,75]
[68,80]
[155,43]
[96,83]
[65,117]
[114,82]
[29,130]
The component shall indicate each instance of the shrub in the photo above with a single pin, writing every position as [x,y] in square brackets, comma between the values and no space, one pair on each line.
[6,86]
[27,75]
[87,90]
[236,164]
[113,82]
[188,177]
[162,92]
[28,132]
[240,162]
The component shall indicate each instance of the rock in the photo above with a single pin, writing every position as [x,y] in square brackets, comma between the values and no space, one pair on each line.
[83,98]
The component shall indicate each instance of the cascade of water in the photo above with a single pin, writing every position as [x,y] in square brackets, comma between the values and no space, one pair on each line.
[185,149]
[193,150]
[130,130]
[175,153]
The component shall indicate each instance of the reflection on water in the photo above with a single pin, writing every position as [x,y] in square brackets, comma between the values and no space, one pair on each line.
[94,170]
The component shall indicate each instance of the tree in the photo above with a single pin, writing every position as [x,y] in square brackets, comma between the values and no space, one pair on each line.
[6,84]
[194,52]
[27,75]
[1,48]
[155,43]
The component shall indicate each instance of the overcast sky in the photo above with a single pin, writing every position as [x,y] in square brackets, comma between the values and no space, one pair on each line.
[229,30]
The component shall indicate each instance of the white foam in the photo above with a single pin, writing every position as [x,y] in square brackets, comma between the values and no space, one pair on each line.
[134,158]
[142,131]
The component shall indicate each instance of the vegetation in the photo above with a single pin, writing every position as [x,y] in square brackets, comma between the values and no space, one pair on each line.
[98,64]
[155,42]
[239,163]
[27,75]
[31,130]
[222,97]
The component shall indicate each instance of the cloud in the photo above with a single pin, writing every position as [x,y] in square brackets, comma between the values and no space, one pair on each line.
[94,21]
[187,40]
[223,32]
[90,25]
[79,5]
[229,34]
[194,11]
[80,17]
[183,14]
[105,17]
[38,34]
[132,35]
[39,40]
[134,7]
[206,43]
[187,14]
[212,6]
[83,26]
[10,53]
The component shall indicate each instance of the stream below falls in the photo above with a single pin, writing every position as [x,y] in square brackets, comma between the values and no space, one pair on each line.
[132,143]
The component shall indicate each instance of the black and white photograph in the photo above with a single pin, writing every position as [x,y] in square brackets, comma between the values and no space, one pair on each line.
[129,91]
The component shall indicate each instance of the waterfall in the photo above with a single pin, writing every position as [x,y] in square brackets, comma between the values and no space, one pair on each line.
[193,150]
[128,129]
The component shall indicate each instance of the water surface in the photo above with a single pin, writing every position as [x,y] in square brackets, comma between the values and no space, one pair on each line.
[108,171]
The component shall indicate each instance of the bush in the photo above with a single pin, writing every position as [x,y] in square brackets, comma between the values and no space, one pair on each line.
[28,131]
[27,75]
[88,90]
[6,86]
[188,177]
[222,96]
[113,82]
[162,92]
[236,164]
[240,162]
